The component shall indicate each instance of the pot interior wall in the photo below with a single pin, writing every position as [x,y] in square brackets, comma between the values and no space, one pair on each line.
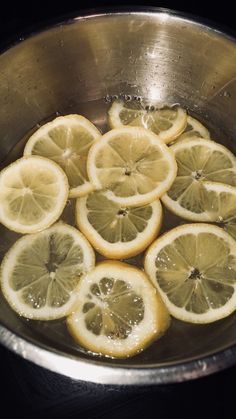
[76,68]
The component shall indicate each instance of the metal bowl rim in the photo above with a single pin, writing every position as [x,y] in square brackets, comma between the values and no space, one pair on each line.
[92,370]
[91,13]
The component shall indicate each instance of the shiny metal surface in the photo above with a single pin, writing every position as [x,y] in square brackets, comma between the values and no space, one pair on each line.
[73,67]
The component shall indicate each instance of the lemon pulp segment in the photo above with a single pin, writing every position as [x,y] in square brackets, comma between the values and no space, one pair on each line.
[33,194]
[194,268]
[66,140]
[132,164]
[116,231]
[40,272]
[167,123]
[118,313]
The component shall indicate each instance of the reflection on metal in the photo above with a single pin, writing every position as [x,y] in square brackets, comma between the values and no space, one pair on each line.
[72,67]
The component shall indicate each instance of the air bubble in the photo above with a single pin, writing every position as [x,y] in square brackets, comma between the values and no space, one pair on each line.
[226,94]
[128,98]
[108,98]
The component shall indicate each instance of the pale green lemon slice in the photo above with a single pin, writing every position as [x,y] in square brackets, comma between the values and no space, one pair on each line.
[33,194]
[194,128]
[218,204]
[194,268]
[41,272]
[118,311]
[66,140]
[198,162]
[115,231]
[167,123]
[133,165]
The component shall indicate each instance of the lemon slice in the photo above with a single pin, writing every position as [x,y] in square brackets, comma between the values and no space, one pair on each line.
[114,231]
[198,161]
[168,123]
[118,311]
[217,203]
[194,128]
[220,206]
[132,164]
[40,273]
[33,194]
[66,140]
[194,268]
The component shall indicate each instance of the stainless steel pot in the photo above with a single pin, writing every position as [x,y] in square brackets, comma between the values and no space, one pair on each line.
[77,66]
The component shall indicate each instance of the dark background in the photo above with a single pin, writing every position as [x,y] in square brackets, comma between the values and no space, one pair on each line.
[16,17]
[28,391]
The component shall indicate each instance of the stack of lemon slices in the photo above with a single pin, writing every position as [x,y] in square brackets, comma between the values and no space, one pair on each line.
[119,180]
